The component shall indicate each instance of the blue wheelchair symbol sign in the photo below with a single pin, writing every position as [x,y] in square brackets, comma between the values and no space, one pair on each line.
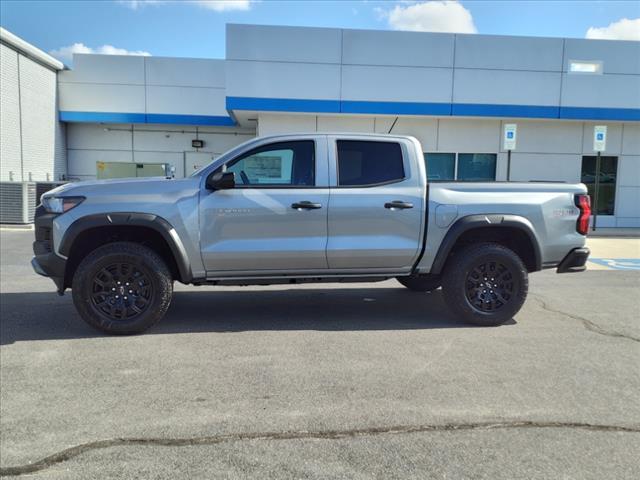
[509,135]
[600,136]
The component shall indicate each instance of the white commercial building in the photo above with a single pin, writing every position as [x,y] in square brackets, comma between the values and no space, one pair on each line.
[454,92]
[32,139]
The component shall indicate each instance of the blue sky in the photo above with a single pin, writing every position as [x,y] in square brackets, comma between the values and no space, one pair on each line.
[196,28]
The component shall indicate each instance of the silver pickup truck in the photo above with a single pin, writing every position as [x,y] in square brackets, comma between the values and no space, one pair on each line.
[306,208]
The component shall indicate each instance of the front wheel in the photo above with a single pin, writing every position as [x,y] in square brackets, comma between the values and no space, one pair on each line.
[122,288]
[485,284]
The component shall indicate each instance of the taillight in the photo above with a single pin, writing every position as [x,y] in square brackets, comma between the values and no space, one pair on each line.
[583,202]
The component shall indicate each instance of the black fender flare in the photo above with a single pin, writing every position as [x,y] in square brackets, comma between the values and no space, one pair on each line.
[471,222]
[155,222]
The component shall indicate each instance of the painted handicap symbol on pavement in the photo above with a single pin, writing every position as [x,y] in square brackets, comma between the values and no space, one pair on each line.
[618,263]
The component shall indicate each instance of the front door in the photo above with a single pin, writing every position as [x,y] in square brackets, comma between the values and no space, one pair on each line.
[376,209]
[275,219]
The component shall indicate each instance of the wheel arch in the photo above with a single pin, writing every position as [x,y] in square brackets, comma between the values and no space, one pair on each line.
[512,231]
[88,232]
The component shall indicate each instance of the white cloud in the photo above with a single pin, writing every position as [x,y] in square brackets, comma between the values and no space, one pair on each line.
[623,29]
[135,4]
[215,5]
[66,53]
[224,5]
[432,16]
[111,50]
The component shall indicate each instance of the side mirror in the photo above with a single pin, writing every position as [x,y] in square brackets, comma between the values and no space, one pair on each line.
[221,181]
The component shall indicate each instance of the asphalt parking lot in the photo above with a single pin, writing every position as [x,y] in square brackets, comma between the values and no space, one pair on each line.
[353,381]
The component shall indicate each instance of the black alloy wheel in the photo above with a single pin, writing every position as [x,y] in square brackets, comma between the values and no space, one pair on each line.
[485,284]
[122,288]
[490,286]
[121,291]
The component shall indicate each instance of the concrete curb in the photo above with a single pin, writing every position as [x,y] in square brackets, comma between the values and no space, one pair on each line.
[16,227]
[615,233]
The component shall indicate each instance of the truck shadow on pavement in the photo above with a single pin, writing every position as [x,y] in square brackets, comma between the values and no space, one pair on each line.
[46,316]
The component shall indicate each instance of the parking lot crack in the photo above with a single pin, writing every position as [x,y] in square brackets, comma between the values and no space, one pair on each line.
[586,323]
[77,450]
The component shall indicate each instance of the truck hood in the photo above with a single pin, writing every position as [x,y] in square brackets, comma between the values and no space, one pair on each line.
[117,184]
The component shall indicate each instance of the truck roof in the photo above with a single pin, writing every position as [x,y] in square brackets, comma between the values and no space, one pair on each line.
[337,134]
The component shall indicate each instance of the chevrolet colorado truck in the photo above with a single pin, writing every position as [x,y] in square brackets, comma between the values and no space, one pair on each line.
[301,208]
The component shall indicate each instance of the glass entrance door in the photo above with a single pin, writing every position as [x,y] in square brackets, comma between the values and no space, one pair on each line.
[608,177]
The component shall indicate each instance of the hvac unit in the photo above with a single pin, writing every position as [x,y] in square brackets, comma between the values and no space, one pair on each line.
[17,202]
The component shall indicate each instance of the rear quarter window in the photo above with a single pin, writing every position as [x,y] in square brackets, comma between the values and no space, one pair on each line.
[367,163]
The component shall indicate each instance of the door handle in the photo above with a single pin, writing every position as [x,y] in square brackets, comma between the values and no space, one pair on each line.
[305,205]
[398,205]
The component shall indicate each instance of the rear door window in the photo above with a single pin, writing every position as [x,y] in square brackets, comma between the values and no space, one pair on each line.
[366,163]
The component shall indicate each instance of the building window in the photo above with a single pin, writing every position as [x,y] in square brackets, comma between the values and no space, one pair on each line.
[476,167]
[584,66]
[463,167]
[607,185]
[441,166]
[363,163]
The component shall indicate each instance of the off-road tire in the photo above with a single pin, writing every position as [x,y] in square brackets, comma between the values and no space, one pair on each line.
[103,274]
[421,283]
[480,301]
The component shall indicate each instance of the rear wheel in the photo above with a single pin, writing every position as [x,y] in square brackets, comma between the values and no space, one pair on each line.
[421,283]
[122,288]
[485,284]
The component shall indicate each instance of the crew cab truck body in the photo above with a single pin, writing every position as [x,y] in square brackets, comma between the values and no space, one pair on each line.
[303,208]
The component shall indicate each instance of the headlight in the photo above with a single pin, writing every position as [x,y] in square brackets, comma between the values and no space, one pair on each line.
[60,204]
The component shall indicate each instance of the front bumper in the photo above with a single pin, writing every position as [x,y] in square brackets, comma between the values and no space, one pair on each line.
[50,267]
[46,262]
[575,261]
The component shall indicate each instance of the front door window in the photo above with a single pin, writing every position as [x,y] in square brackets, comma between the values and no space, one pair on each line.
[283,164]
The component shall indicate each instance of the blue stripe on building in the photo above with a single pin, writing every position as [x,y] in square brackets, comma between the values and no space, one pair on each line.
[585,113]
[395,108]
[102,117]
[161,118]
[437,109]
[490,110]
[294,105]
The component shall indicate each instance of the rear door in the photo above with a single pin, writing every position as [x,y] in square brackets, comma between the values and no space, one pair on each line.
[377,204]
